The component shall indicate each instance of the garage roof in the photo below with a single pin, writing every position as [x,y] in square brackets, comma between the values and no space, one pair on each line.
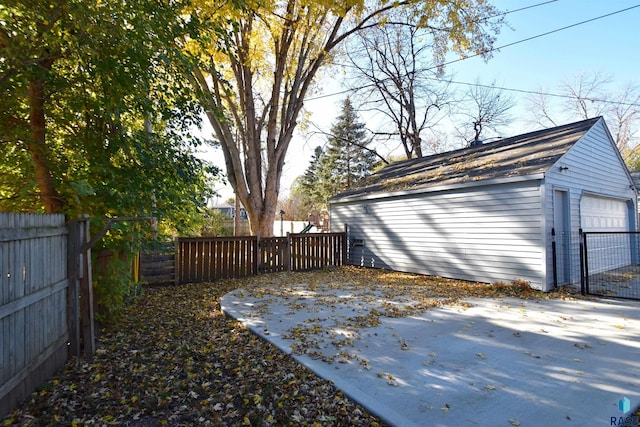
[523,155]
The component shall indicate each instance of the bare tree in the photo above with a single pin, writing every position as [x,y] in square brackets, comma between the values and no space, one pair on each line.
[539,102]
[396,77]
[587,96]
[583,93]
[623,118]
[485,107]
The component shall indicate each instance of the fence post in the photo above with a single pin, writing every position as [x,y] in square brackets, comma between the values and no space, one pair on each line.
[288,254]
[584,286]
[346,250]
[257,255]
[73,293]
[176,261]
[554,260]
[80,301]
[86,292]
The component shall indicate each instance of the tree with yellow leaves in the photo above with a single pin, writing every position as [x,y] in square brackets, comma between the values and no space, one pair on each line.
[258,64]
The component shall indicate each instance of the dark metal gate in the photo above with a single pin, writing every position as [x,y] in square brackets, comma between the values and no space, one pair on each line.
[609,264]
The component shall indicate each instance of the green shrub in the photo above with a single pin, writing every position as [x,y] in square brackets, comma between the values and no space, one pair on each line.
[113,284]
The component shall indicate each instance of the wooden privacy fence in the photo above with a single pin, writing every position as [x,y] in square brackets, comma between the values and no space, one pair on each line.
[46,300]
[33,303]
[201,259]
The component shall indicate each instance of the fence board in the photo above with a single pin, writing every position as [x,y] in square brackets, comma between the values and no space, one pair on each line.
[33,303]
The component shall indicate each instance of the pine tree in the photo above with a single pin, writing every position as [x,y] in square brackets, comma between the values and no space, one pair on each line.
[311,185]
[347,159]
[345,162]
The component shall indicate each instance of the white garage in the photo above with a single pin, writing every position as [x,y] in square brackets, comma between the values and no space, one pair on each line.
[505,210]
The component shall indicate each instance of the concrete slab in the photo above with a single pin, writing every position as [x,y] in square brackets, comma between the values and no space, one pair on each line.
[488,362]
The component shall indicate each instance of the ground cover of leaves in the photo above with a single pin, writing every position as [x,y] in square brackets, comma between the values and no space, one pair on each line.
[175,359]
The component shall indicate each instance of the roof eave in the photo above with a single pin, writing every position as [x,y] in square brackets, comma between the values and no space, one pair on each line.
[435,189]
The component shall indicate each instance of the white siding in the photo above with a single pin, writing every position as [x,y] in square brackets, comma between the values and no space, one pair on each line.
[594,168]
[487,233]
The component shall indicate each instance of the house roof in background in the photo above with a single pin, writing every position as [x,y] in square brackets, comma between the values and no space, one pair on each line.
[223,205]
[522,155]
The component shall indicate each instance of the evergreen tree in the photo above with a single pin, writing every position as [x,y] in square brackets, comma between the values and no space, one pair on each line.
[310,184]
[345,162]
[347,159]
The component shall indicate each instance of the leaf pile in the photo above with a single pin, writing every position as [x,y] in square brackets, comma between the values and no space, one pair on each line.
[175,359]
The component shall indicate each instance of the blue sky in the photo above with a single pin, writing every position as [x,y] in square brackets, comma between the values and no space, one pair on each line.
[609,45]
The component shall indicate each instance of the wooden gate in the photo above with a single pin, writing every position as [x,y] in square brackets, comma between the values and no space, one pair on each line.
[158,265]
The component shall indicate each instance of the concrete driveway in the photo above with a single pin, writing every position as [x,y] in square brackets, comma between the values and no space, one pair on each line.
[485,362]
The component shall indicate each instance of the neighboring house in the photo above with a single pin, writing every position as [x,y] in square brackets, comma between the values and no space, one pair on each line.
[229,210]
[487,213]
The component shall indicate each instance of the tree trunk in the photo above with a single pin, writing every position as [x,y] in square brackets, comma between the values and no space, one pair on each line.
[265,222]
[51,200]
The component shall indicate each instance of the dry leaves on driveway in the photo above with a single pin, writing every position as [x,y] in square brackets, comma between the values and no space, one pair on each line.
[329,309]
[175,359]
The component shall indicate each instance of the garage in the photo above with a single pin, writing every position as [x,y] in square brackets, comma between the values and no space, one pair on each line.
[607,251]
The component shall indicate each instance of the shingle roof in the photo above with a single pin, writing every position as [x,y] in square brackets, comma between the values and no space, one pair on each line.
[523,155]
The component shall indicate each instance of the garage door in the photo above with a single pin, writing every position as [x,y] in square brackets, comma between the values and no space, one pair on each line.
[606,251]
[604,214]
